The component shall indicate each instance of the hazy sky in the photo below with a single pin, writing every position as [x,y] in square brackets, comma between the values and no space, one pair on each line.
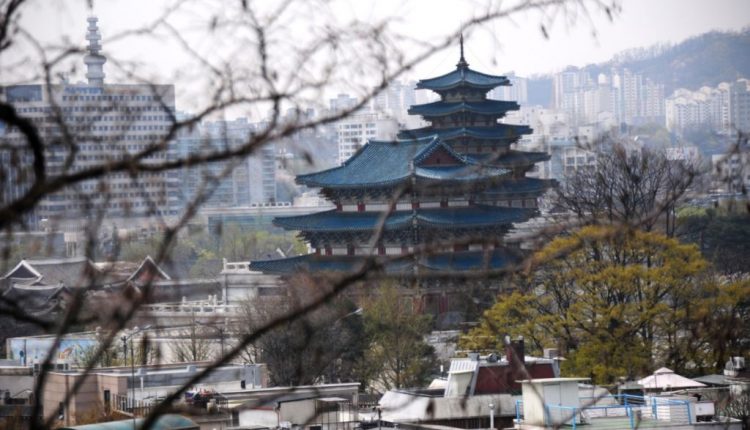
[522,47]
[503,46]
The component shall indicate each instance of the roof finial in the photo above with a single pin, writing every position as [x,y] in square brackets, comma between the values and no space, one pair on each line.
[94,60]
[462,64]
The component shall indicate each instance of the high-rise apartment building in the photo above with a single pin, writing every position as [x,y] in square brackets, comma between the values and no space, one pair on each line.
[87,125]
[234,182]
[706,108]
[627,97]
[739,105]
[518,90]
[354,131]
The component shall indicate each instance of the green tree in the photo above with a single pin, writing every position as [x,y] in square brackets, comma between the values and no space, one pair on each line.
[398,355]
[610,299]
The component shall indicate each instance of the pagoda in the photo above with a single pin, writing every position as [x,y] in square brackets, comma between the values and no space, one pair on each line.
[442,196]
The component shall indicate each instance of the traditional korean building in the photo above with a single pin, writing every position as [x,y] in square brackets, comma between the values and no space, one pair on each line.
[442,196]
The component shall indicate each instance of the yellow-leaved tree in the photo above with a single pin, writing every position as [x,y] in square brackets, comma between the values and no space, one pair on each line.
[615,301]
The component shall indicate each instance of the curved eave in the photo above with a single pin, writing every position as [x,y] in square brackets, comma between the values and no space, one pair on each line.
[521,186]
[462,77]
[310,182]
[512,159]
[464,262]
[464,174]
[333,221]
[441,108]
[501,131]
[465,217]
[471,261]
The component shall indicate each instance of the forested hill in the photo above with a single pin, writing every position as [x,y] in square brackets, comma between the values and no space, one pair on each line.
[708,59]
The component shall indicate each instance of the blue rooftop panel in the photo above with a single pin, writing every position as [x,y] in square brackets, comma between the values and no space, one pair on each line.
[519,186]
[472,261]
[499,131]
[462,77]
[378,162]
[511,158]
[464,261]
[381,163]
[472,216]
[485,107]
[334,220]
[455,217]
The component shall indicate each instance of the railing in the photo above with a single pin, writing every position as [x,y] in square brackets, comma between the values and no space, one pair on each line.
[196,309]
[128,405]
[634,408]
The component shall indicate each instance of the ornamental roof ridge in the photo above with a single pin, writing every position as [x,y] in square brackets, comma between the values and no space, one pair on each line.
[436,143]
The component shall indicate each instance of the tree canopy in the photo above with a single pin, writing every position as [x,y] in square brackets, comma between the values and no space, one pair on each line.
[618,302]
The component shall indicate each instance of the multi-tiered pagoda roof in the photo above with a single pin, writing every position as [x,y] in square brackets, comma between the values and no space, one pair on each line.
[453,188]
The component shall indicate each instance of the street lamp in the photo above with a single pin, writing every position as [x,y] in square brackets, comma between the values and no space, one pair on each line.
[124,338]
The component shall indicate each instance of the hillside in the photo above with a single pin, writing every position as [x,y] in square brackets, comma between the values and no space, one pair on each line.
[708,59]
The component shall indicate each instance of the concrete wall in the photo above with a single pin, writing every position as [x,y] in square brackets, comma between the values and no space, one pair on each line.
[16,379]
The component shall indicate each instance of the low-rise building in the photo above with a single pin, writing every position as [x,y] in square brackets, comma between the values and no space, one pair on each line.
[135,390]
[557,402]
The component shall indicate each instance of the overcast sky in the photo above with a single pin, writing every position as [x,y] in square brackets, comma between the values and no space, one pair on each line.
[522,47]
[503,46]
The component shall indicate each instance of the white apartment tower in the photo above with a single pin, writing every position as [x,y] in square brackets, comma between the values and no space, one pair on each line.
[85,126]
[355,130]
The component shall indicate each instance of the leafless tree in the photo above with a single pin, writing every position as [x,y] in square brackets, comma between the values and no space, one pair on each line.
[636,187]
[265,63]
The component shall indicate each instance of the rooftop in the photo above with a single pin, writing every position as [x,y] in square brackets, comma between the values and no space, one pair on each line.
[450,262]
[383,163]
[462,77]
[484,107]
[456,217]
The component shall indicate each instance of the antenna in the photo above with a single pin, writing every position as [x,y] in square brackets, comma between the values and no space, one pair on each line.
[462,64]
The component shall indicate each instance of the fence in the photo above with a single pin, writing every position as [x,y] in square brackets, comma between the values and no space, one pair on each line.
[633,408]
[127,405]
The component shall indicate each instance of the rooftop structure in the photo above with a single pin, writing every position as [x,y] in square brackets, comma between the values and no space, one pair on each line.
[455,186]
[108,123]
[666,379]
[558,402]
[136,390]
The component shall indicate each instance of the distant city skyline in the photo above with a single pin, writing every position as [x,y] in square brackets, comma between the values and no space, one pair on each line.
[491,48]
[641,23]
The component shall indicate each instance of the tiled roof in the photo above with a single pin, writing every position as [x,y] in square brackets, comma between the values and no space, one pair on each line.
[382,163]
[512,158]
[499,131]
[462,77]
[454,217]
[441,108]
[519,186]
[71,272]
[464,261]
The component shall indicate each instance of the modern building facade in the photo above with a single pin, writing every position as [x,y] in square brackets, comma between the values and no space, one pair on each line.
[239,181]
[87,125]
[354,131]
